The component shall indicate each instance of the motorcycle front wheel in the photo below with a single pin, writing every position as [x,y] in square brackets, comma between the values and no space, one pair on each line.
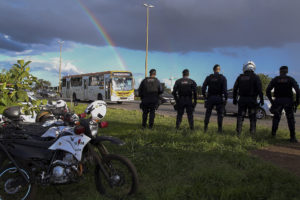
[13,185]
[122,180]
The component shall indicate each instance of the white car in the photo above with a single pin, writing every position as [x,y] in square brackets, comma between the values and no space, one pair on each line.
[262,111]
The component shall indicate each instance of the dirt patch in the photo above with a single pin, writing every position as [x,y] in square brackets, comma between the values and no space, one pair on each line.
[286,156]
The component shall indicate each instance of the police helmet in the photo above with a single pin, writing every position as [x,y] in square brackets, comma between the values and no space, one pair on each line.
[60,104]
[249,66]
[97,109]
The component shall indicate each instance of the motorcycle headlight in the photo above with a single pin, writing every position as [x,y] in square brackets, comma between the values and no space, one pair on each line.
[93,128]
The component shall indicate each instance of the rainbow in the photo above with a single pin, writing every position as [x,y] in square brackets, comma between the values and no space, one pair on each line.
[103,33]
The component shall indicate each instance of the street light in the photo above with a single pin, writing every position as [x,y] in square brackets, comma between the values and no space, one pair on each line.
[146,60]
[59,81]
[171,79]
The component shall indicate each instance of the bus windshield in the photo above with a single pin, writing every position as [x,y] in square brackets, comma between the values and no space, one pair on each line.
[122,83]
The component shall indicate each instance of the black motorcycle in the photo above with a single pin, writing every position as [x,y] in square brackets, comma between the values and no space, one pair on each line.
[26,163]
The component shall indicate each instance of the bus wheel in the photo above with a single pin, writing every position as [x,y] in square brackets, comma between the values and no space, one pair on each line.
[119,102]
[99,97]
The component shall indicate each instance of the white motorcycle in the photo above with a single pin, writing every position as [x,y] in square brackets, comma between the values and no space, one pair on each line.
[27,163]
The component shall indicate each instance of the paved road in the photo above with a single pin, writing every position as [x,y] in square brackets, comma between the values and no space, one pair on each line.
[167,109]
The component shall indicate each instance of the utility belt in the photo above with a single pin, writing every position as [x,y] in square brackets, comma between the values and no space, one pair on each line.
[185,96]
[248,96]
[280,97]
[218,95]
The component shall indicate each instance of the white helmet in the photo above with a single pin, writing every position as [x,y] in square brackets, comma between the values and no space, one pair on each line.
[61,104]
[249,66]
[97,109]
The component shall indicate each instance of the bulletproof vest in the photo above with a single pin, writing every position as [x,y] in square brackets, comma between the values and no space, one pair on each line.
[247,86]
[185,87]
[215,84]
[283,87]
[151,85]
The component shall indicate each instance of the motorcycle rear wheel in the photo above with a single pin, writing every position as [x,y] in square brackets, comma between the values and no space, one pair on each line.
[13,186]
[123,178]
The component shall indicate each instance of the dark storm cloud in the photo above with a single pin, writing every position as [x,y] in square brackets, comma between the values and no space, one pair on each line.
[7,44]
[175,25]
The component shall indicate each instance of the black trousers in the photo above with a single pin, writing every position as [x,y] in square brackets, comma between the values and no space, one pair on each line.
[148,109]
[285,104]
[185,103]
[214,101]
[246,104]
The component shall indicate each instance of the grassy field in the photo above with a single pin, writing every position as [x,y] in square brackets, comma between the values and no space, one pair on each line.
[190,165]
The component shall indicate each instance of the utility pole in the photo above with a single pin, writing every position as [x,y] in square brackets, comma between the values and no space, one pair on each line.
[59,81]
[146,60]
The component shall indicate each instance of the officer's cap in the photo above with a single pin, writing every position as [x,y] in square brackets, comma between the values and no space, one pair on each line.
[185,72]
[152,71]
[282,68]
[215,66]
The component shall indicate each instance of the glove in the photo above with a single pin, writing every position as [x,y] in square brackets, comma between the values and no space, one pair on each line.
[234,101]
[194,105]
[296,104]
[156,106]
[261,103]
[141,105]
[175,106]
[205,103]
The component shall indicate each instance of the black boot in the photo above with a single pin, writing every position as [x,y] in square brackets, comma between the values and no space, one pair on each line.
[220,130]
[220,125]
[177,125]
[205,127]
[239,125]
[293,137]
[293,140]
[253,127]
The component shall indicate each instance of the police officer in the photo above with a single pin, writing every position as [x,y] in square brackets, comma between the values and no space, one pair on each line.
[248,87]
[216,96]
[184,93]
[149,91]
[283,92]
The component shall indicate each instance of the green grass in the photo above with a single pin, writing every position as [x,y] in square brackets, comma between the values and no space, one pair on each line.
[190,165]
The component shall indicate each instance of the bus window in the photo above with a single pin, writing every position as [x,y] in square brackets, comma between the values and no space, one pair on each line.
[96,81]
[122,83]
[76,81]
[64,82]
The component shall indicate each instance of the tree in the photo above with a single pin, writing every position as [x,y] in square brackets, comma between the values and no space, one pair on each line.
[265,80]
[199,90]
[14,85]
[41,83]
[167,90]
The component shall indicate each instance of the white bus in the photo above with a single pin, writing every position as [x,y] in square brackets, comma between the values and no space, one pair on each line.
[115,86]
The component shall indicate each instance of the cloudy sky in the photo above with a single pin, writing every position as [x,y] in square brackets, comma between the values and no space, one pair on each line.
[104,35]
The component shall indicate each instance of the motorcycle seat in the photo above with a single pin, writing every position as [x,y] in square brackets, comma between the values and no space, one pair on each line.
[44,144]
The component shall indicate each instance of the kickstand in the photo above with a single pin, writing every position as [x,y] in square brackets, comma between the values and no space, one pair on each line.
[58,192]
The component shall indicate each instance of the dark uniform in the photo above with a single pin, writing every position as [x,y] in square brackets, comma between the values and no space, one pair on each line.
[184,92]
[248,87]
[283,92]
[216,96]
[149,91]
